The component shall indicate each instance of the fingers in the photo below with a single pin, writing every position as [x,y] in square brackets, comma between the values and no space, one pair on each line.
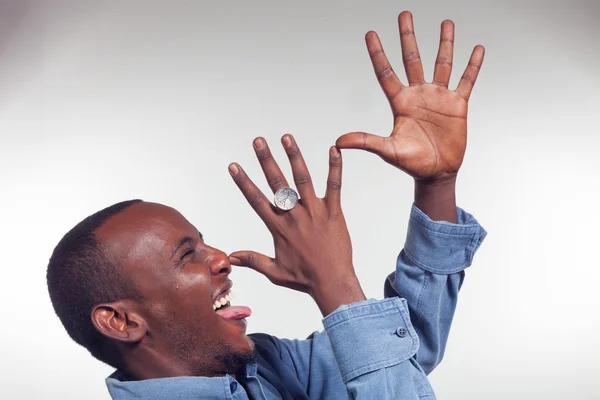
[443,62]
[410,50]
[334,181]
[255,197]
[361,140]
[300,172]
[465,86]
[275,177]
[389,82]
[256,261]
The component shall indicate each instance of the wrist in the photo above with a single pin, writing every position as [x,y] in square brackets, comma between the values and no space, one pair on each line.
[437,198]
[335,292]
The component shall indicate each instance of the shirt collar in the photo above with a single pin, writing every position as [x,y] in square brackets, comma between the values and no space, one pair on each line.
[216,388]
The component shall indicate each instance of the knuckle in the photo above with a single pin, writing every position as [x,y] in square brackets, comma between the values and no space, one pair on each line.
[473,65]
[376,53]
[384,73]
[251,259]
[335,163]
[275,182]
[301,179]
[468,77]
[365,140]
[443,61]
[254,200]
[411,57]
[407,32]
[334,184]
[294,153]
[264,156]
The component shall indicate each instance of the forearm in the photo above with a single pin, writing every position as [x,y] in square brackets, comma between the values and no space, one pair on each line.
[332,293]
[437,199]
[374,343]
[429,274]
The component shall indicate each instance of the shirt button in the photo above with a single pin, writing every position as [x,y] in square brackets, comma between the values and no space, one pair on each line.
[233,386]
[401,332]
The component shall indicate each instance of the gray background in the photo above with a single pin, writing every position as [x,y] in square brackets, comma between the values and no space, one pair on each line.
[108,100]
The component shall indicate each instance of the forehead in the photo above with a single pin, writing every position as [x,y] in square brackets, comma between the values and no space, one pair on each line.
[144,230]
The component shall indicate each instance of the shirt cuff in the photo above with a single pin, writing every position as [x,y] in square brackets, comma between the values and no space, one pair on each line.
[371,335]
[443,247]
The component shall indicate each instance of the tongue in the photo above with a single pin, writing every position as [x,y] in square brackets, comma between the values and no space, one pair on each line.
[234,312]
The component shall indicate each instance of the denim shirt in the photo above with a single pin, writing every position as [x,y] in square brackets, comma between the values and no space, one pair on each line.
[373,349]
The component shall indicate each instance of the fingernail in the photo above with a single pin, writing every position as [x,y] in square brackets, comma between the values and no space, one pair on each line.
[259,144]
[235,260]
[333,152]
[287,140]
[233,169]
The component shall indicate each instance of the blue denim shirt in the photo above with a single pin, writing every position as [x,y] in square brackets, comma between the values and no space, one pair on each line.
[374,349]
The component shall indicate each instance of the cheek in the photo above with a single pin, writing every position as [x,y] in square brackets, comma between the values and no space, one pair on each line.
[193,277]
[192,288]
[181,298]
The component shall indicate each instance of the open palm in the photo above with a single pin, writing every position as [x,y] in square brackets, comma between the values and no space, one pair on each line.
[429,137]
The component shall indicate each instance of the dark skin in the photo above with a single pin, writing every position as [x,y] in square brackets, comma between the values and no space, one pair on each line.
[429,136]
[428,142]
[176,332]
[313,252]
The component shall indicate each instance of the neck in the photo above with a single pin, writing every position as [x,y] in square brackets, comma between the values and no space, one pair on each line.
[147,363]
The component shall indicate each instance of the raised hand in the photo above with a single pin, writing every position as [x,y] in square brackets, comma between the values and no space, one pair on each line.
[429,136]
[313,252]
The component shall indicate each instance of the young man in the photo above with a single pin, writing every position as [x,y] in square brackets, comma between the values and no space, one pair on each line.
[137,285]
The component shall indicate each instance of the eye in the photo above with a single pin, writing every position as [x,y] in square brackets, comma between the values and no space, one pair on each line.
[187,253]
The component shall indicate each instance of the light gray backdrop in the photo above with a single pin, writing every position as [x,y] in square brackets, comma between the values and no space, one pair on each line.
[102,101]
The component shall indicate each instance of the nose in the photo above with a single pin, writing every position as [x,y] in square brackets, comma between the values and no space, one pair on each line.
[218,262]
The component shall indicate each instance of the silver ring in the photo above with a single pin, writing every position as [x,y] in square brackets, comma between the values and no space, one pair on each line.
[286,198]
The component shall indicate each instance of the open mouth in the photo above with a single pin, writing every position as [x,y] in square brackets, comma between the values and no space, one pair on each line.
[223,300]
[222,306]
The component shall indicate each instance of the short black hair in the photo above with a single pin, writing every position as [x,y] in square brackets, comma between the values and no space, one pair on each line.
[82,275]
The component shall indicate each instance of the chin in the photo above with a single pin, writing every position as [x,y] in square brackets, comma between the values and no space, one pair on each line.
[246,346]
[239,356]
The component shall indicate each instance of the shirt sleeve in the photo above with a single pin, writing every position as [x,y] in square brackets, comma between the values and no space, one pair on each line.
[383,349]
[365,352]
[429,274]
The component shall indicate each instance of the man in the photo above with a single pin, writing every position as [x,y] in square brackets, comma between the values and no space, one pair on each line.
[137,285]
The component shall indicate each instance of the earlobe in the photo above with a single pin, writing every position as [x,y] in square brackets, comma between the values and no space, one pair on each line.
[116,322]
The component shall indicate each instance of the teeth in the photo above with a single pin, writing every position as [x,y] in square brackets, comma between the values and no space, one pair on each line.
[221,301]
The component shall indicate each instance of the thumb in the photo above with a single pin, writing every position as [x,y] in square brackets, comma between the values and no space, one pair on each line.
[251,259]
[361,140]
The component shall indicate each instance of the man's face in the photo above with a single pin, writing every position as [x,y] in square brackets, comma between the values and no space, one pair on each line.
[179,277]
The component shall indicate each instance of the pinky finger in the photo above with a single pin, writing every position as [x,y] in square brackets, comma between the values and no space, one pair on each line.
[467,81]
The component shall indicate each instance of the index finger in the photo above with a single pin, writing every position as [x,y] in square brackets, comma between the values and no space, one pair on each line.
[388,80]
[255,197]
[275,177]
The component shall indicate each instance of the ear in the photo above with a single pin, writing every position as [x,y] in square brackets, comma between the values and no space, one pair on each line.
[118,322]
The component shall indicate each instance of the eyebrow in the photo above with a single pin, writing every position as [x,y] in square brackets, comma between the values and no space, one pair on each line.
[182,242]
